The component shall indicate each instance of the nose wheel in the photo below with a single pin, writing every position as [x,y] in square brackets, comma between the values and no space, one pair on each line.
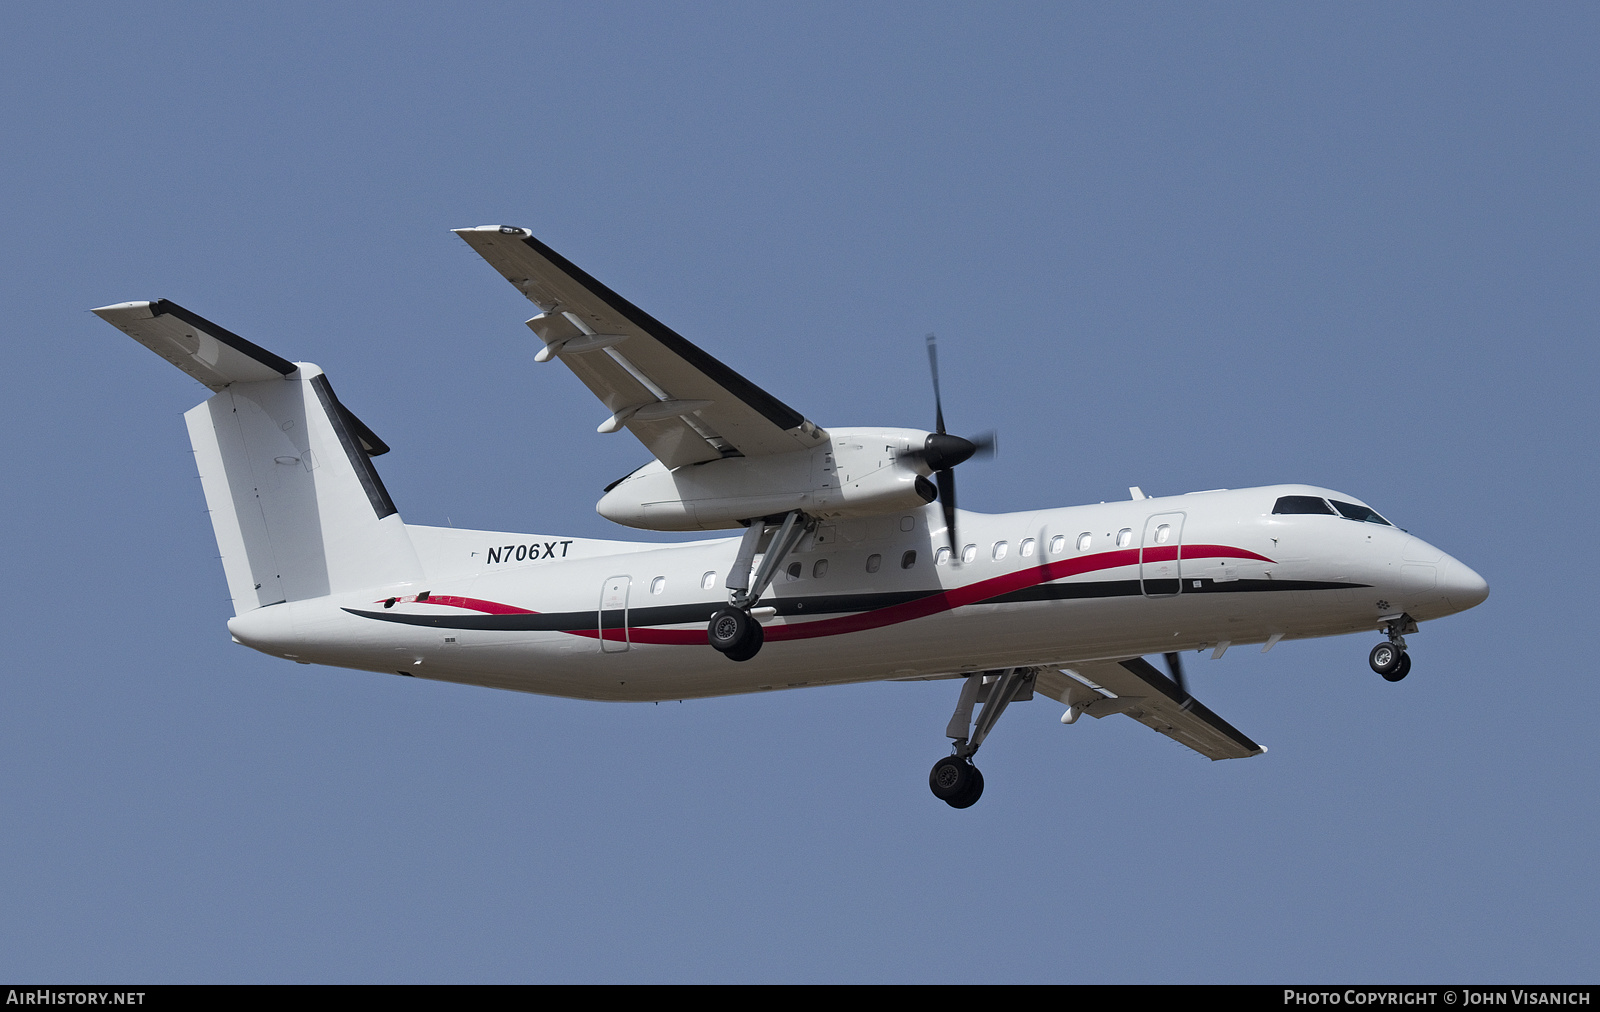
[1390,659]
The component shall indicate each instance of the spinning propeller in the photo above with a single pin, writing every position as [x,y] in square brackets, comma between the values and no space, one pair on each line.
[1175,665]
[942,451]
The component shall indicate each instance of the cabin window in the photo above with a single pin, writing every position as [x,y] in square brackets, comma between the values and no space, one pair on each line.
[1000,549]
[874,562]
[908,560]
[1163,534]
[708,581]
[941,557]
[658,585]
[1026,548]
[908,523]
[969,553]
[1125,537]
[794,570]
[819,570]
[1292,504]
[1058,544]
[1084,541]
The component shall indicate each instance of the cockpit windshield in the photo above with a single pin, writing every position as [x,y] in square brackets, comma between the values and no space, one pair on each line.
[1302,504]
[1356,511]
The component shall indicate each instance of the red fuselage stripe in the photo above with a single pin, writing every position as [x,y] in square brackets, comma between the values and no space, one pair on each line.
[948,600]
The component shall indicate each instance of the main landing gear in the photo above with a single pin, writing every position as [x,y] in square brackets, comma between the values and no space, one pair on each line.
[1389,658]
[956,782]
[953,779]
[735,633]
[733,630]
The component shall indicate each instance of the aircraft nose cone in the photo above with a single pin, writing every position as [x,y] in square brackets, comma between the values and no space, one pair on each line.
[1462,587]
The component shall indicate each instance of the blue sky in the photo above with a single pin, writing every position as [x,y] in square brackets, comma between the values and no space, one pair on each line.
[1164,246]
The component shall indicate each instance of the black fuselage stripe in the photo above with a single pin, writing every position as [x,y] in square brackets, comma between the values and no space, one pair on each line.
[801,607]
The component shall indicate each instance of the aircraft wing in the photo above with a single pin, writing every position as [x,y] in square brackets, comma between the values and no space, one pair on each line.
[684,405]
[1136,688]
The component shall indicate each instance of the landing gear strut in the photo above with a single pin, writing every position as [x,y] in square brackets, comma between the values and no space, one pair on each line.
[1389,658]
[733,630]
[953,779]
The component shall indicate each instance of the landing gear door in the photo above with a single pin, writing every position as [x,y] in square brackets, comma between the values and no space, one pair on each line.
[614,615]
[1160,554]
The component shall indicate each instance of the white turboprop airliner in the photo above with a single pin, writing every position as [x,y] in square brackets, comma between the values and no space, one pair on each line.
[853,565]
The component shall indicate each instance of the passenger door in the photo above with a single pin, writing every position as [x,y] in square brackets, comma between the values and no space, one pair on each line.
[614,614]
[1159,555]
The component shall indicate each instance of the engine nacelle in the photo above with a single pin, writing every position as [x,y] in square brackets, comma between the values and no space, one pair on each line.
[857,473]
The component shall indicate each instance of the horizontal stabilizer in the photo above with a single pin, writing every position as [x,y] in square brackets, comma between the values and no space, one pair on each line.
[211,354]
[214,355]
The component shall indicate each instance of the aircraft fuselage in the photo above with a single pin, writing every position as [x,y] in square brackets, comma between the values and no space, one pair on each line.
[870,599]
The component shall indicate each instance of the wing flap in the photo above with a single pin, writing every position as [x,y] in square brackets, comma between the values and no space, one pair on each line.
[1133,686]
[636,361]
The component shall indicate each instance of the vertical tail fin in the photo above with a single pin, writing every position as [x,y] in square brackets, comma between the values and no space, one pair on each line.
[297,507]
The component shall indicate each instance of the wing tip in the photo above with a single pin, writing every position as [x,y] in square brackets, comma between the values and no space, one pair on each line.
[501,229]
[132,310]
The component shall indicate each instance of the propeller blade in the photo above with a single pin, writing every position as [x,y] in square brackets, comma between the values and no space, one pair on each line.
[941,451]
[985,444]
[1175,665]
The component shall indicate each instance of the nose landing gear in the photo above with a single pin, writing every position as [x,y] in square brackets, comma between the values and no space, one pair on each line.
[1390,659]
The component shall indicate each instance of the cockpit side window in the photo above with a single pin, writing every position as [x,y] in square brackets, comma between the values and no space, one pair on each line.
[1355,511]
[1301,504]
